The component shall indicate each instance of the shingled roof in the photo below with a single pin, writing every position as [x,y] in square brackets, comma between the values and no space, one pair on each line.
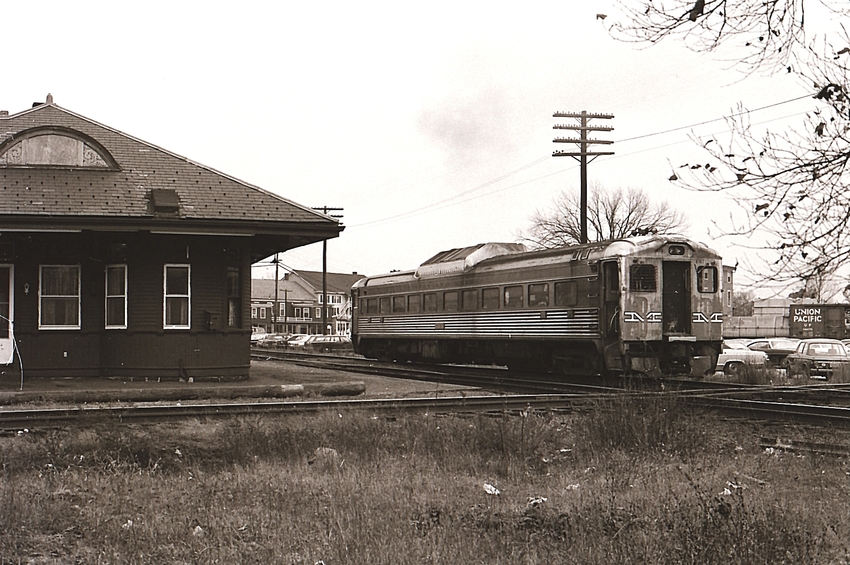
[60,170]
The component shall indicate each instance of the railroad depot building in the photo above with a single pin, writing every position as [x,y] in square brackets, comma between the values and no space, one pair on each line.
[119,258]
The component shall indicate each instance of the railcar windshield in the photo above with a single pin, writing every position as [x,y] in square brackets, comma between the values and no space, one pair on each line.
[642,278]
[707,279]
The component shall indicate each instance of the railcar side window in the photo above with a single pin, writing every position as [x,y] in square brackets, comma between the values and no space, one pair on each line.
[398,304]
[513,297]
[371,305]
[566,293]
[707,279]
[469,300]
[450,301]
[385,305]
[413,303]
[642,278]
[490,299]
[538,294]
[429,302]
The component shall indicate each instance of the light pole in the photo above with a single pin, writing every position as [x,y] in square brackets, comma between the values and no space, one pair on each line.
[325,210]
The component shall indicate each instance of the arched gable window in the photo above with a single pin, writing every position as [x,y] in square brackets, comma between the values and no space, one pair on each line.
[55,147]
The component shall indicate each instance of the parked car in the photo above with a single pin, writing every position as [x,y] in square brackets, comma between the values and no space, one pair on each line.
[736,358]
[325,343]
[298,340]
[819,358]
[272,341]
[257,333]
[777,349]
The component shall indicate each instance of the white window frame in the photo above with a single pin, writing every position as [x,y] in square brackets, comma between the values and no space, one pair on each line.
[10,321]
[166,296]
[107,296]
[41,296]
[253,312]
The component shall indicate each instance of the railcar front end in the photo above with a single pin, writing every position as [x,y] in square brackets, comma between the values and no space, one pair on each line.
[664,302]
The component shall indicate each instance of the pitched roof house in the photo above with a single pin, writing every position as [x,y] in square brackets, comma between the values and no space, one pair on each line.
[120,258]
[299,302]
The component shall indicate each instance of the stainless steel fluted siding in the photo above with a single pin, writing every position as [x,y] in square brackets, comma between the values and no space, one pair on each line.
[556,324]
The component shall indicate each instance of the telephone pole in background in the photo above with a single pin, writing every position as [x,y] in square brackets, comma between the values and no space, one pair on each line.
[325,210]
[583,153]
[274,307]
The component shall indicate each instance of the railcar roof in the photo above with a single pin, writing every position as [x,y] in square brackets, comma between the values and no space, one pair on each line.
[487,256]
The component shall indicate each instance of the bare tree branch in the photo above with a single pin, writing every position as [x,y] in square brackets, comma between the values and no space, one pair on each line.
[770,31]
[610,215]
[791,185]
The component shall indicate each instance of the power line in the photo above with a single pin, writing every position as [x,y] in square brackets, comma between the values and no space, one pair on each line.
[715,119]
[458,198]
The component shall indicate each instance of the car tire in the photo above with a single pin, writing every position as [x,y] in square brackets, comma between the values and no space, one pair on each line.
[734,369]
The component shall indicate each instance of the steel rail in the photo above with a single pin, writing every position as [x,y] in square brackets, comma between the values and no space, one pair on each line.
[11,420]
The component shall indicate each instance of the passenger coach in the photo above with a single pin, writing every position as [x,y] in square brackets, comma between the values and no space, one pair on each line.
[648,304]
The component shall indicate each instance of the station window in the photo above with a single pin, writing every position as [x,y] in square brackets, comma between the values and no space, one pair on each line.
[385,305]
[59,297]
[566,293]
[538,294]
[642,278]
[490,299]
[177,300]
[414,303]
[513,297]
[399,304]
[429,302]
[450,301]
[707,279]
[116,297]
[469,300]
[234,298]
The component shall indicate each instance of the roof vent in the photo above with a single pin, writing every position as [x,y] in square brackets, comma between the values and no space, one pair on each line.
[465,258]
[165,200]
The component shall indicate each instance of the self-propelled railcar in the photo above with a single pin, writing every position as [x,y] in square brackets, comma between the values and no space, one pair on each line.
[649,304]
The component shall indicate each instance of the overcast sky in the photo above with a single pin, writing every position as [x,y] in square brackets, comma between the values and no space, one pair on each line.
[429,124]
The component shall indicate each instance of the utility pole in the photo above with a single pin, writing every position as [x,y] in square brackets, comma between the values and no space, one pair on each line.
[274,308]
[285,316]
[582,154]
[325,210]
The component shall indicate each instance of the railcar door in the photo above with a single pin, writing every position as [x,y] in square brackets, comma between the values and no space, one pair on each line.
[7,345]
[676,297]
[611,304]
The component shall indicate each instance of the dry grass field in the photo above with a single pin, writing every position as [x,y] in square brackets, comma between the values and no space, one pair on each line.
[633,481]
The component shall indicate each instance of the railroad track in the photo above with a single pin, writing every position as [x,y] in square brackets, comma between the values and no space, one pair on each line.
[745,401]
[12,420]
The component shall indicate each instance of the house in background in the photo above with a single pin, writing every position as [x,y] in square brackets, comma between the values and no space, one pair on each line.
[298,308]
[120,258]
